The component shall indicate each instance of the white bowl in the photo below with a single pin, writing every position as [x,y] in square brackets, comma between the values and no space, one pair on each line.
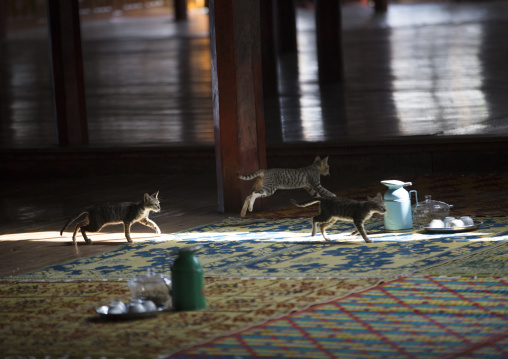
[468,221]
[436,223]
[117,307]
[136,306]
[149,306]
[456,223]
[447,221]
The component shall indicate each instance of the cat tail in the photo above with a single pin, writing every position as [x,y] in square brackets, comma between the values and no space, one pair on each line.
[72,219]
[251,176]
[306,204]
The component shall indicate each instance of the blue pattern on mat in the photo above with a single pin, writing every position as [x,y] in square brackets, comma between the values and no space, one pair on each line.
[284,248]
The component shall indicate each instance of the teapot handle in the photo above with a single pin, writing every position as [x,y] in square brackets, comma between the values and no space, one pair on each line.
[416,196]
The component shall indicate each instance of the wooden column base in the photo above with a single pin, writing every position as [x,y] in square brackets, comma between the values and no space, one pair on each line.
[237,94]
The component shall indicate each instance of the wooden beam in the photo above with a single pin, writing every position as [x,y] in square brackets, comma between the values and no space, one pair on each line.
[237,98]
[67,71]
[329,41]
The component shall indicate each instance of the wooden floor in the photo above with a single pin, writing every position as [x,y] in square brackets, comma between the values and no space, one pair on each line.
[421,73]
[425,69]
[32,213]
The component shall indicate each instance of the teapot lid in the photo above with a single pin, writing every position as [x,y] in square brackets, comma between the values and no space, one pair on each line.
[150,277]
[429,202]
[396,183]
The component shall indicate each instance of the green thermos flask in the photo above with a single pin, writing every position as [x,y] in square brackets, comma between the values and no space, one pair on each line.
[187,280]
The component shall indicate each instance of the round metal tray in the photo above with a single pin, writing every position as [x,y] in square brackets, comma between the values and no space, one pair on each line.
[103,312]
[474,227]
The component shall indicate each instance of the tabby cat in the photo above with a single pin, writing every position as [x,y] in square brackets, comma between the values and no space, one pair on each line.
[287,178]
[333,209]
[127,213]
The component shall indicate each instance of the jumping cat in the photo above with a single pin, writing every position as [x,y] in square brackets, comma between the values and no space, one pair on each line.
[333,209]
[127,213]
[287,178]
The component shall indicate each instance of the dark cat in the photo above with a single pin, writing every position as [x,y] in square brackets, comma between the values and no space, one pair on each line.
[287,178]
[333,209]
[127,213]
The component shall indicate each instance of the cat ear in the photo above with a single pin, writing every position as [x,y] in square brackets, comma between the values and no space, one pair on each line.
[325,160]
[378,196]
[146,197]
[156,194]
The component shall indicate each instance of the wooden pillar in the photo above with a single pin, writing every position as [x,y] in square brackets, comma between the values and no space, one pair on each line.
[381,5]
[286,26]
[329,41]
[67,71]
[237,96]
[180,10]
[268,54]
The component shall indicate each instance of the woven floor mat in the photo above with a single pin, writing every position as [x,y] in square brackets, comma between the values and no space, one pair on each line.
[284,248]
[408,318]
[58,319]
[491,262]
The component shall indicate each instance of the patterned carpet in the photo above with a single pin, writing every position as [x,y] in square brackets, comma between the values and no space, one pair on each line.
[58,319]
[407,318]
[51,312]
[284,248]
[491,262]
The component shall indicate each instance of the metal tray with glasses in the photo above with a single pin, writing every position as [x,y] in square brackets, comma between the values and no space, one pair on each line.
[103,312]
[135,309]
[473,227]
